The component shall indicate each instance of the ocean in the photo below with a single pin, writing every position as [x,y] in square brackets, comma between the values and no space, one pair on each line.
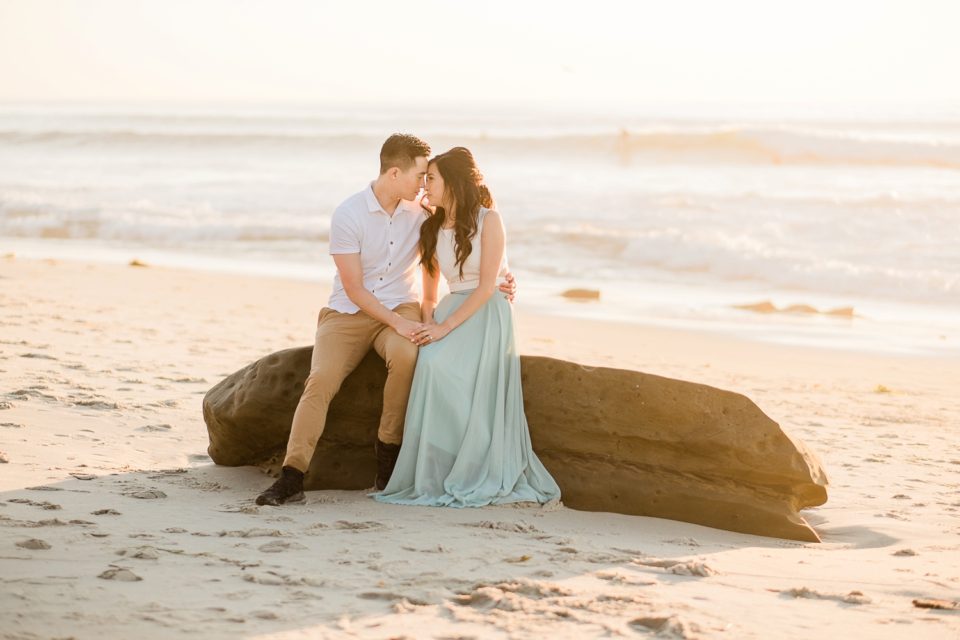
[677,218]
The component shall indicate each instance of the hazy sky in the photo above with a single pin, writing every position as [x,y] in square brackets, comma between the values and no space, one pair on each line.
[631,52]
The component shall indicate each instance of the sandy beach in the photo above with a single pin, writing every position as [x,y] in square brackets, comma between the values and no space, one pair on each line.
[114,522]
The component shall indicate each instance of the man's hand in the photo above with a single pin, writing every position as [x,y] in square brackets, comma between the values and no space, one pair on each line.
[509,287]
[407,328]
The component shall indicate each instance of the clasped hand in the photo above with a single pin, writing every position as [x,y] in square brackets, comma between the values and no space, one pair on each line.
[430,333]
[421,333]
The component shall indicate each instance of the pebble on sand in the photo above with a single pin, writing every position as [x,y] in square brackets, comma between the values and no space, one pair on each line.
[581,294]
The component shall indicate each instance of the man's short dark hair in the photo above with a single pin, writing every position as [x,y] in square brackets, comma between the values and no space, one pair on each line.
[401,150]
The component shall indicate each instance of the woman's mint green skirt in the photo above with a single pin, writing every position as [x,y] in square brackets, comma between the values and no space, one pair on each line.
[466,442]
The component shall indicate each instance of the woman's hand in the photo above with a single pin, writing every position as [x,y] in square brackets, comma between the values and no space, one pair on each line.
[431,333]
[509,286]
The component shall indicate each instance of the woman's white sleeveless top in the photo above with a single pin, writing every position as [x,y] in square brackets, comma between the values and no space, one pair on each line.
[447,257]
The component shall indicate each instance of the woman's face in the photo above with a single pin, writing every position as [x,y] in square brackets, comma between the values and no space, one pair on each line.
[434,189]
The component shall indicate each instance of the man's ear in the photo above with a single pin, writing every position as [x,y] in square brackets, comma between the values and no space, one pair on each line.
[393,172]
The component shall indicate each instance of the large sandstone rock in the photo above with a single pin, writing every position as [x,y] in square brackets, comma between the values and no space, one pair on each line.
[614,440]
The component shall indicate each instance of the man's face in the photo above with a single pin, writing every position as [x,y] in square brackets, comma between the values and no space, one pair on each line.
[410,182]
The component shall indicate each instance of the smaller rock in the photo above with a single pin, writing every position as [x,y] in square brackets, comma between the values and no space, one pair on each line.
[932,603]
[800,308]
[581,294]
[856,597]
[905,552]
[759,307]
[844,312]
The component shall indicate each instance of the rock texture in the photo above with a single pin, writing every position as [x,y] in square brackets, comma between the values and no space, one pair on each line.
[614,440]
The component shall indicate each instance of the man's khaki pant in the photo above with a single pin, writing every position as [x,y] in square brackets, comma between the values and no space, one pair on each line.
[342,340]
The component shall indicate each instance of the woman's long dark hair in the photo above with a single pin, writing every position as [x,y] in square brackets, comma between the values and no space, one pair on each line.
[463,186]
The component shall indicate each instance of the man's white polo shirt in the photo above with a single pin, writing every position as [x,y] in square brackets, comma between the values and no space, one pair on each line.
[388,247]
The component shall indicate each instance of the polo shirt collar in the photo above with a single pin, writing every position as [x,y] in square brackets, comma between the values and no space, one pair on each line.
[373,205]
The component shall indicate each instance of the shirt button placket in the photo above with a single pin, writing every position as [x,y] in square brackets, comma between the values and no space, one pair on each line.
[389,236]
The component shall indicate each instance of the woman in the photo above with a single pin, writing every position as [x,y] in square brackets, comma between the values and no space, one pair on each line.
[466,441]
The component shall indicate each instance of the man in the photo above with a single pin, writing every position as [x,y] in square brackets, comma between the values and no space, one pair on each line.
[374,241]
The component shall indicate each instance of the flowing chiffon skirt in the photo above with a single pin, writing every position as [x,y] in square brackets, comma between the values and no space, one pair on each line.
[466,442]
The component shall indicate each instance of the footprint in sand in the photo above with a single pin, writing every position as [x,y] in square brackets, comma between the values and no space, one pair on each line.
[143,553]
[246,507]
[391,596]
[3,458]
[38,356]
[146,494]
[33,524]
[854,597]
[278,546]
[103,405]
[662,626]
[34,543]
[436,549]
[357,526]
[183,380]
[504,594]
[274,579]
[7,405]
[49,506]
[105,512]
[678,567]
[615,577]
[120,574]
[252,533]
[155,427]
[514,527]
[687,542]
[26,394]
